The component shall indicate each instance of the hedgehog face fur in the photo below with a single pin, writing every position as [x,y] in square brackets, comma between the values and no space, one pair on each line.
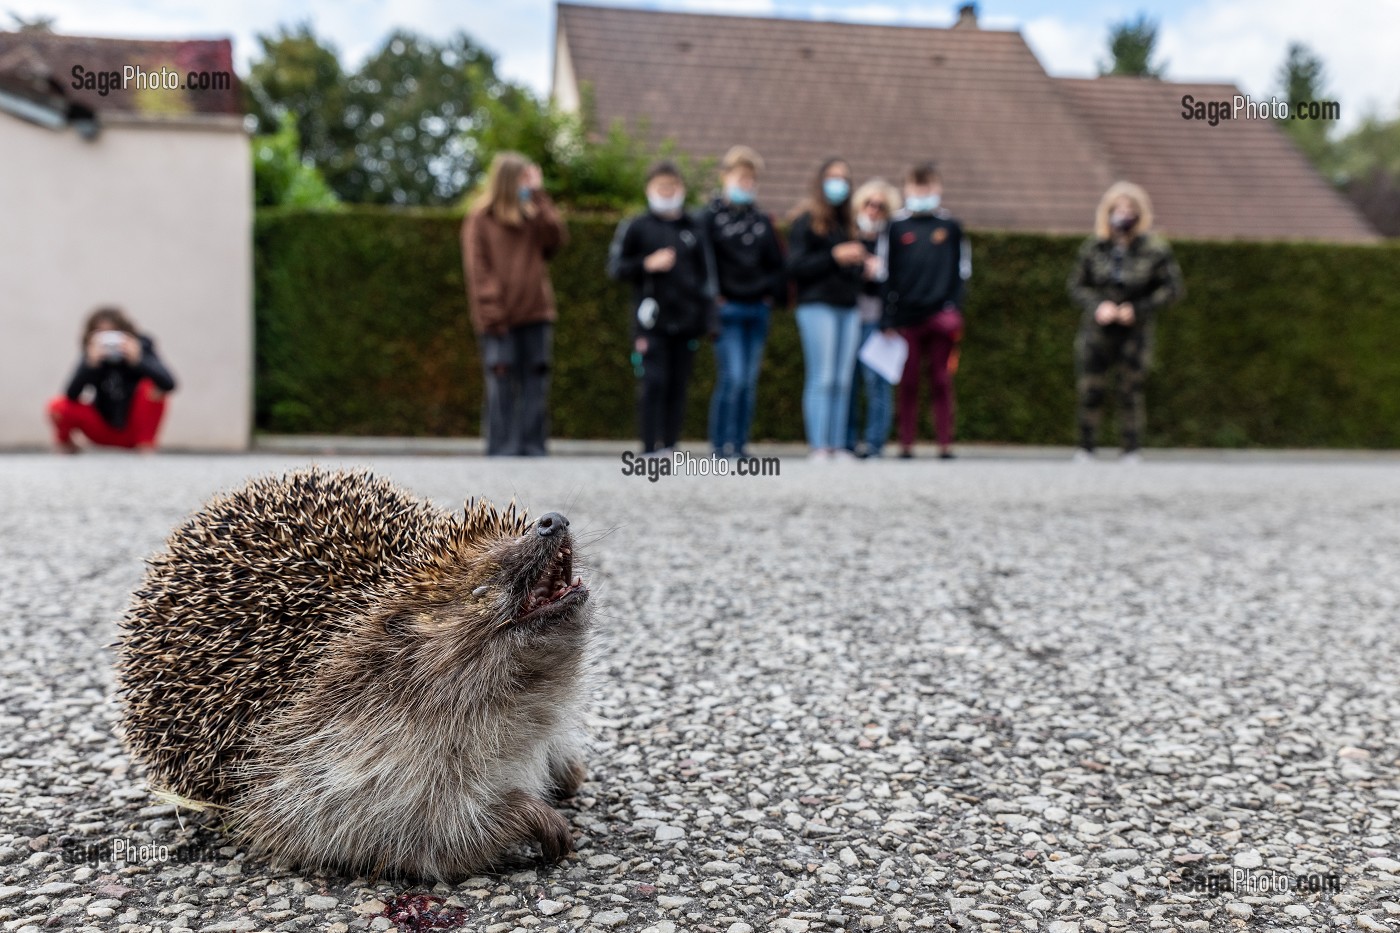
[363,682]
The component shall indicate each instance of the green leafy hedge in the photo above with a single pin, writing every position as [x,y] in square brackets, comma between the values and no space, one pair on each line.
[362,329]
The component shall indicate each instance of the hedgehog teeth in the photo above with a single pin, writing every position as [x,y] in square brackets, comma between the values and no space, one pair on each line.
[555,582]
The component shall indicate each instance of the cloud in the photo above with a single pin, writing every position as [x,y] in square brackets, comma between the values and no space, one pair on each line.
[1065,49]
[1245,41]
[884,14]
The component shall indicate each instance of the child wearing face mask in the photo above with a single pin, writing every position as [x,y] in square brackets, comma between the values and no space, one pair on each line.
[664,254]
[875,202]
[928,261]
[750,282]
[826,261]
[1123,277]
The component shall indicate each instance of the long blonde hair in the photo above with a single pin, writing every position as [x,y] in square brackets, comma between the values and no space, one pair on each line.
[877,188]
[500,195]
[1134,193]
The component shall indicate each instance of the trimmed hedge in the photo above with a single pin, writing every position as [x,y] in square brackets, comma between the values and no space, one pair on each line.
[362,329]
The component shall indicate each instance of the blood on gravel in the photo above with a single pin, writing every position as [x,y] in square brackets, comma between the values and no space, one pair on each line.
[424,912]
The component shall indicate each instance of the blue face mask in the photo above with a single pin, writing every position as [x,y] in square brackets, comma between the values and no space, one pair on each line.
[526,193]
[923,205]
[736,195]
[836,190]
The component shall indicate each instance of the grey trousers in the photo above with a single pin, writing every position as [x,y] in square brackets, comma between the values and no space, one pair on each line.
[516,366]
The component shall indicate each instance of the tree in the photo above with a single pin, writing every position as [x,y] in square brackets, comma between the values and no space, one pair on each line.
[1130,47]
[282,177]
[1301,80]
[410,106]
[1368,169]
[300,76]
[1365,163]
[392,131]
[587,169]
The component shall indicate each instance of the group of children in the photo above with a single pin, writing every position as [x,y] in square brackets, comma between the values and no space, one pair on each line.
[856,262]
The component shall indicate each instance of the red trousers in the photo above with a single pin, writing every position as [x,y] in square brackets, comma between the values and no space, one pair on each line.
[142,422]
[932,344]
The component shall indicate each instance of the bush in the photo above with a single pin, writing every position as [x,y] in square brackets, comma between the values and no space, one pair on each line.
[281,178]
[362,329]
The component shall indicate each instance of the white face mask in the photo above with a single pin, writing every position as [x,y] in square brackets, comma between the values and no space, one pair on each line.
[868,224]
[667,207]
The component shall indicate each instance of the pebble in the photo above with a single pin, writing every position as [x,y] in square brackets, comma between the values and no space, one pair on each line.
[1249,859]
[610,918]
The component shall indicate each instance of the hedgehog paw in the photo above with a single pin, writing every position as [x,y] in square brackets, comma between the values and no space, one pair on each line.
[556,839]
[538,822]
[567,775]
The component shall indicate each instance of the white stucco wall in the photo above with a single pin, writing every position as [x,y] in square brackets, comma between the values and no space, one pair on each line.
[154,218]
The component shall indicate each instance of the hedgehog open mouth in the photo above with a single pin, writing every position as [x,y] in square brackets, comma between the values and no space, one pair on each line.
[556,588]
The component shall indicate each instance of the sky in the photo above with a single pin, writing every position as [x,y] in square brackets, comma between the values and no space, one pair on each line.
[1239,41]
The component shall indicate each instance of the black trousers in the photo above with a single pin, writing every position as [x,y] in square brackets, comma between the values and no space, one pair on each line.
[517,366]
[666,367]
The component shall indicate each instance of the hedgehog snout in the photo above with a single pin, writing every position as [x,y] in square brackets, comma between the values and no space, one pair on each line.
[551,524]
[550,585]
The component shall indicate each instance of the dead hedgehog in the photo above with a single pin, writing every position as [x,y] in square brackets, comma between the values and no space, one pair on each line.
[359,680]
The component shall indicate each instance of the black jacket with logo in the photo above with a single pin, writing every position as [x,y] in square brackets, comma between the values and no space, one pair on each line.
[820,279]
[928,260]
[114,382]
[748,255]
[684,294]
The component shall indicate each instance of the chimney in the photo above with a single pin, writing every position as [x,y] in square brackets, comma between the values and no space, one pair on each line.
[967,16]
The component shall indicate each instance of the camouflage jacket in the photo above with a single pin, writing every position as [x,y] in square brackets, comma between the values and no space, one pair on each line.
[1145,274]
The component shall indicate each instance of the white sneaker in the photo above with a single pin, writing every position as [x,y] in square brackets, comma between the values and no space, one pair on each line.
[1082,456]
[842,453]
[1132,458]
[819,453]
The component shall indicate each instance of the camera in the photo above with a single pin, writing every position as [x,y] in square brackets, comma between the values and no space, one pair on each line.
[112,343]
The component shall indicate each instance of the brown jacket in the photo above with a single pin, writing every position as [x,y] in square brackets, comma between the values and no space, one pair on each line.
[507,276]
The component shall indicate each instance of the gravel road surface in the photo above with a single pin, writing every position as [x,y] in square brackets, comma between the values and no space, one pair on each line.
[975,695]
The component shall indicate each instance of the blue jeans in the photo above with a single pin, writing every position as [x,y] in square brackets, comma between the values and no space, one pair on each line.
[879,402]
[829,349]
[738,352]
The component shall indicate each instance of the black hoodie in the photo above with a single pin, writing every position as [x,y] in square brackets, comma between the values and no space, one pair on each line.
[683,294]
[748,256]
[115,382]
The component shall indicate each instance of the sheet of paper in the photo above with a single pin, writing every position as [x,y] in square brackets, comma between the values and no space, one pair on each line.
[885,355]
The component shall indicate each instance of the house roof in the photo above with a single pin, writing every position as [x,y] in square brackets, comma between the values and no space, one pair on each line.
[40,65]
[1017,149]
[1242,176]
